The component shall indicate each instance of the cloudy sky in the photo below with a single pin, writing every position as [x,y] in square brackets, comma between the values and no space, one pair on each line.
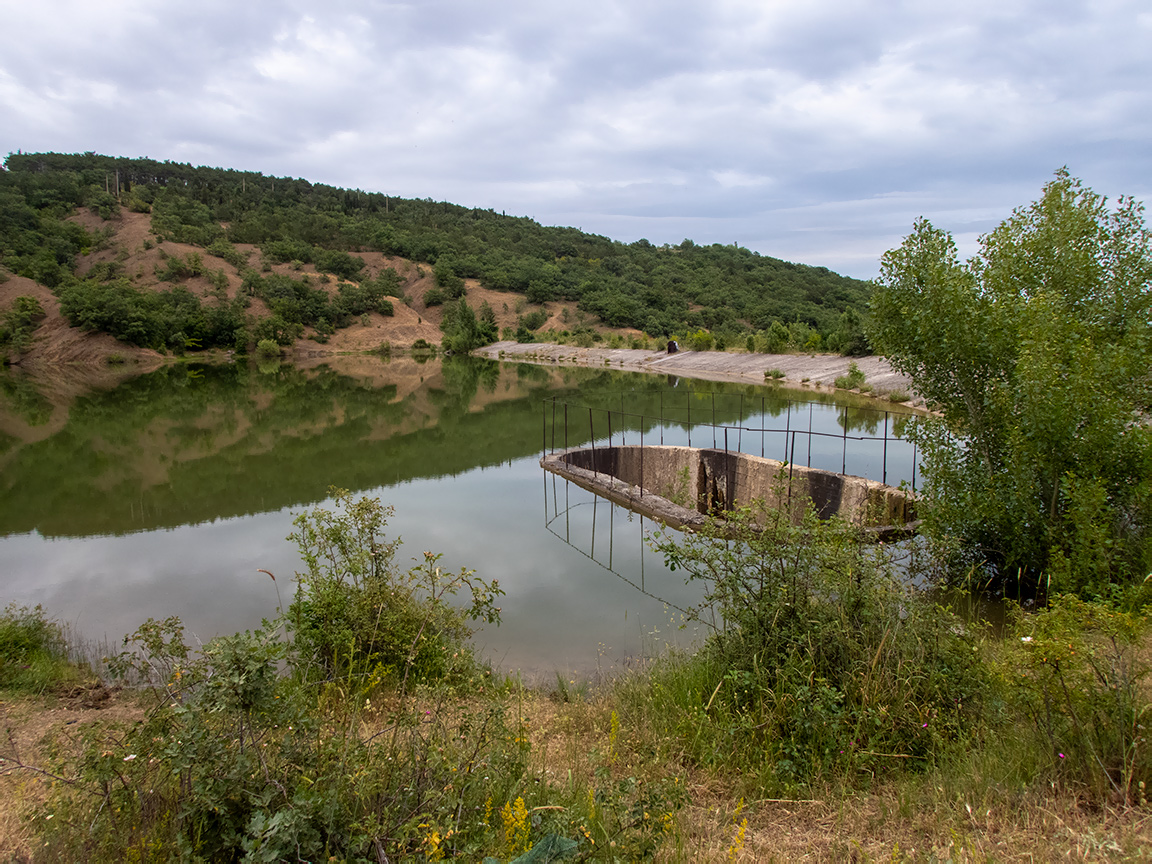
[811,130]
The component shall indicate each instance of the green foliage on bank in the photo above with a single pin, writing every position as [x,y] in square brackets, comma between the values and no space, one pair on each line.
[358,726]
[1036,352]
[173,319]
[727,290]
[33,652]
[355,726]
[820,662]
[17,324]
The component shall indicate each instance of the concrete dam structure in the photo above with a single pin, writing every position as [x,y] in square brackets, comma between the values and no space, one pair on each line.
[682,486]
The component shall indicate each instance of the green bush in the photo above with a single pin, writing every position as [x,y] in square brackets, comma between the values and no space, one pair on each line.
[535,319]
[357,612]
[33,652]
[19,322]
[221,248]
[701,340]
[238,759]
[821,661]
[1075,674]
[853,380]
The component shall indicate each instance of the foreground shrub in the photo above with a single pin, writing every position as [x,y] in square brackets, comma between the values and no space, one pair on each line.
[821,662]
[357,612]
[1076,677]
[261,747]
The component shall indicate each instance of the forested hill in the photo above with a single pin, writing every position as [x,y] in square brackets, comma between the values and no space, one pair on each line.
[662,291]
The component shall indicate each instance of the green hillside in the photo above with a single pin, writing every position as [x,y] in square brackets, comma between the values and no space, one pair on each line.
[729,291]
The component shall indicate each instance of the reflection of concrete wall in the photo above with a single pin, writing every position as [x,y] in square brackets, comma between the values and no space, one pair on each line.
[678,484]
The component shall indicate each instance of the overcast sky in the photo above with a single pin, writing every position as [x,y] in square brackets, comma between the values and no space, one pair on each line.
[811,130]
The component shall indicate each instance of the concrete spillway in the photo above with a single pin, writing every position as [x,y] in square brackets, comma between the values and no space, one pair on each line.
[680,486]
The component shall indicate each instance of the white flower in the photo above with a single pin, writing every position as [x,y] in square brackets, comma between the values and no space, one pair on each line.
[1025,638]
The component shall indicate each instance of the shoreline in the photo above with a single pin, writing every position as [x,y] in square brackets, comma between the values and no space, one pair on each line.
[801,371]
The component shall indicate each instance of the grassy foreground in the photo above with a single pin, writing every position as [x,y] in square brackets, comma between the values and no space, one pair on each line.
[831,716]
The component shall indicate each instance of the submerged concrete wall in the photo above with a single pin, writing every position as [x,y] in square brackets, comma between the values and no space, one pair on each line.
[679,485]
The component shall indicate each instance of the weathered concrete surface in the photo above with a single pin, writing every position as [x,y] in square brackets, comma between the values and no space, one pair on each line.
[679,485]
[821,370]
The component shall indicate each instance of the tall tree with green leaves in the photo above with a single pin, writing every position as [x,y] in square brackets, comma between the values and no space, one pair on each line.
[1037,352]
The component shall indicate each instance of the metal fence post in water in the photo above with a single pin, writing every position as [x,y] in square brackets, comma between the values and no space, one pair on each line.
[787,427]
[592,435]
[554,424]
[844,454]
[740,437]
[885,469]
[729,474]
[762,421]
[791,465]
[713,421]
[565,425]
[809,463]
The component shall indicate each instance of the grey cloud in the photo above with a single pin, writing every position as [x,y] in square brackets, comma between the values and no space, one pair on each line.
[776,125]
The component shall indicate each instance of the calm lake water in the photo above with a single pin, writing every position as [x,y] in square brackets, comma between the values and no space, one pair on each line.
[164,494]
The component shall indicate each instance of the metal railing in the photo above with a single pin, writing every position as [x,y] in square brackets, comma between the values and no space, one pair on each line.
[566,425]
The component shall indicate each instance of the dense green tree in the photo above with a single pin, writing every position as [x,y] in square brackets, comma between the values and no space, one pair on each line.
[1038,354]
[463,330]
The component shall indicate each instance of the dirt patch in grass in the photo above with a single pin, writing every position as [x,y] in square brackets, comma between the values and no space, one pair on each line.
[35,729]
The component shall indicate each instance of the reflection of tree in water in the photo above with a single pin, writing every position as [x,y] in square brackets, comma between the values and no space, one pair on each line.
[21,395]
[866,420]
[532,373]
[463,377]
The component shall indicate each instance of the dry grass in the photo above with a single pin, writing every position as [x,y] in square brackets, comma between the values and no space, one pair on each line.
[33,728]
[915,819]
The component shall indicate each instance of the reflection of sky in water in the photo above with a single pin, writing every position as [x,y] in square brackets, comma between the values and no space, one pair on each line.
[563,611]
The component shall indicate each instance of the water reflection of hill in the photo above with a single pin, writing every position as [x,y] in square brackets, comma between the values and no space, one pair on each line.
[190,444]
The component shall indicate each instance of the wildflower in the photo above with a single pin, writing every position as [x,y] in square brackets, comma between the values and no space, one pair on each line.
[516,827]
[1025,638]
[129,757]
